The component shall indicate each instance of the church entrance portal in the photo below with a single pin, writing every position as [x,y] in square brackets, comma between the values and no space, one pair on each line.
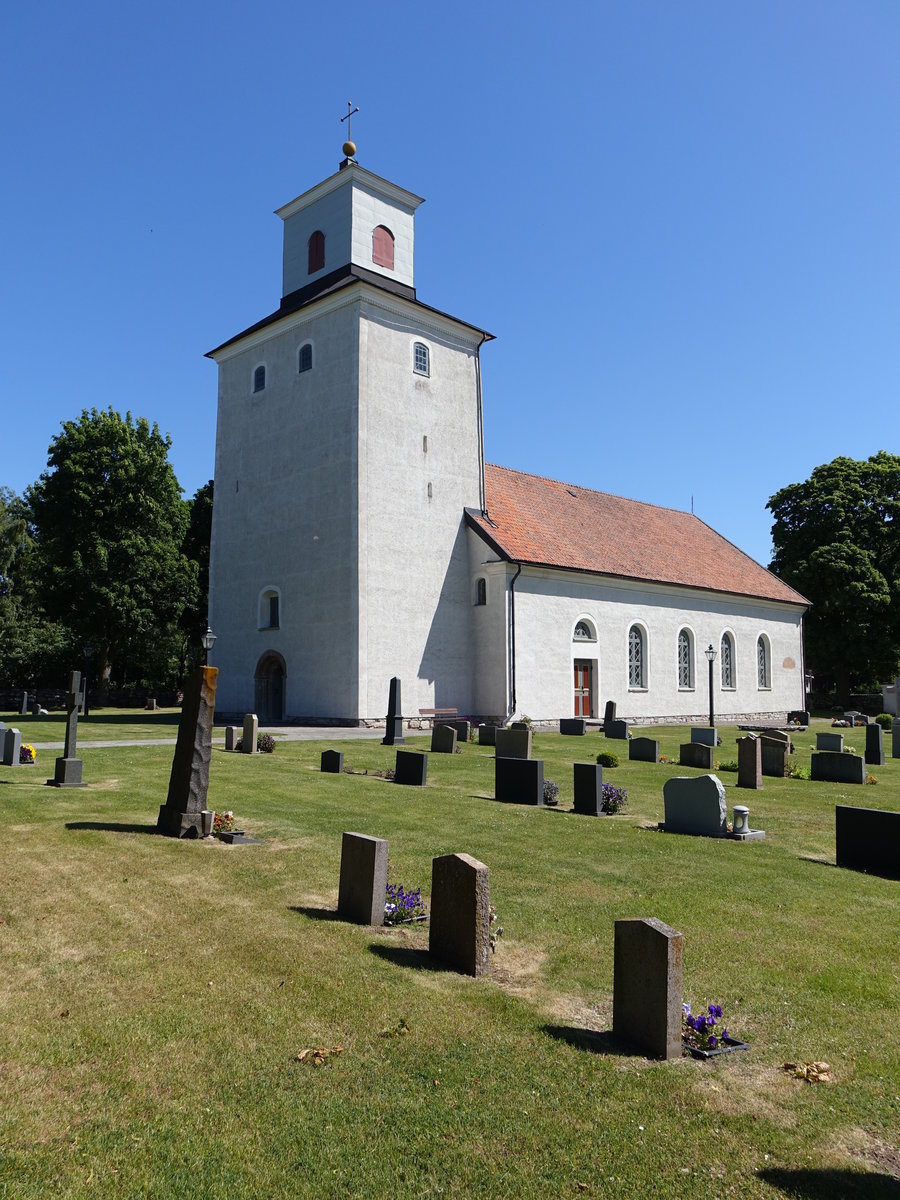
[584,704]
[269,691]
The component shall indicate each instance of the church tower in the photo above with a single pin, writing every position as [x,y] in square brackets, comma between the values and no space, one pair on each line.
[348,445]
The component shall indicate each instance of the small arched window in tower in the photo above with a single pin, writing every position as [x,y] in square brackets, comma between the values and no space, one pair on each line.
[481,591]
[305,358]
[269,609]
[763,669]
[383,247]
[259,379]
[421,359]
[316,251]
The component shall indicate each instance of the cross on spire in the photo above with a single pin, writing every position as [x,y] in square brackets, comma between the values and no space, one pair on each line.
[349,113]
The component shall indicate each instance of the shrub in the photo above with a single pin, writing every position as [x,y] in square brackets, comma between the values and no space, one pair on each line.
[551,792]
[614,799]
[730,764]
[885,720]
[265,743]
[607,759]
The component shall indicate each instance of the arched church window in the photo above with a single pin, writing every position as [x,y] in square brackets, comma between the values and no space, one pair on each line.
[727,655]
[305,357]
[316,251]
[269,608]
[583,632]
[685,660]
[421,359]
[259,379]
[481,591]
[636,657]
[763,662]
[383,247]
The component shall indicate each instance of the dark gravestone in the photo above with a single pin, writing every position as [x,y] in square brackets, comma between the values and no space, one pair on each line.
[23,707]
[696,754]
[443,739]
[749,762]
[513,743]
[829,767]
[487,735]
[232,737]
[830,741]
[874,746]
[12,744]
[643,749]
[331,762]
[868,839]
[588,788]
[609,715]
[460,926]
[617,730]
[68,768]
[799,716]
[695,805]
[393,731]
[364,869]
[519,780]
[774,754]
[573,726]
[705,735]
[463,730]
[647,987]
[182,813]
[411,768]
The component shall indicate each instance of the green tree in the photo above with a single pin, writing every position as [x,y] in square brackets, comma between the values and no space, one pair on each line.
[837,540]
[196,547]
[108,523]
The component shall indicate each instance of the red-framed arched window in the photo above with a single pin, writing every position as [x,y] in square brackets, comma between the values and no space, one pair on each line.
[383,247]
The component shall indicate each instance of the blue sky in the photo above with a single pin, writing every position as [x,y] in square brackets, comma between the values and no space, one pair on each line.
[680,220]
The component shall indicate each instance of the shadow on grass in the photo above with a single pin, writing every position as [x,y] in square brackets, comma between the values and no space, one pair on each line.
[316,914]
[831,1184]
[408,956]
[111,826]
[591,1040]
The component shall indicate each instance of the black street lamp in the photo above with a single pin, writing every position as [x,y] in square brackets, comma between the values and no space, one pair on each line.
[207,641]
[711,658]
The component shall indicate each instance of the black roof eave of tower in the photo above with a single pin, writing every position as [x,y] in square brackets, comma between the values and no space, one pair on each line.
[335,281]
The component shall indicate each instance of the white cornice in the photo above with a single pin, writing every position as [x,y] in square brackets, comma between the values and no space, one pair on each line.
[352,174]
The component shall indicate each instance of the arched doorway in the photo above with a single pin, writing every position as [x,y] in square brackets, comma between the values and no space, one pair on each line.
[269,691]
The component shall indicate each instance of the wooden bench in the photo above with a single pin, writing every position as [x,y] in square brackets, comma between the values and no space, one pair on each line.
[438,712]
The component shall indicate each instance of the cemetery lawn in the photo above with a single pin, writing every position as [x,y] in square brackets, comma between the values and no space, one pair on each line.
[155,993]
[101,725]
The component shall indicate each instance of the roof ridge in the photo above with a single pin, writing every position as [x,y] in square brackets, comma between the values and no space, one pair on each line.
[597,492]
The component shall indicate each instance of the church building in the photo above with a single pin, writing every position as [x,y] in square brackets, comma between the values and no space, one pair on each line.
[358,533]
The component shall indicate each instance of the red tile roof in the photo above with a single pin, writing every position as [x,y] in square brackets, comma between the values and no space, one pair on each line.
[548,523]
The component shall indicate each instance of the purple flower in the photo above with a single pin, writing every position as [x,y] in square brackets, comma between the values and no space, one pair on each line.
[713,1042]
[701,1023]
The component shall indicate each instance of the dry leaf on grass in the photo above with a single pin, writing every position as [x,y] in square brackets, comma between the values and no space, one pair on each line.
[812,1072]
[318,1056]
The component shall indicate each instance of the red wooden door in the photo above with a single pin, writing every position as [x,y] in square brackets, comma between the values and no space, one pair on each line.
[582,688]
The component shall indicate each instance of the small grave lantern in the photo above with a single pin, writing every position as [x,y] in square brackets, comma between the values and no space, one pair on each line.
[741,819]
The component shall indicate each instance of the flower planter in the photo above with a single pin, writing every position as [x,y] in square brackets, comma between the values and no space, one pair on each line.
[407,920]
[730,1045]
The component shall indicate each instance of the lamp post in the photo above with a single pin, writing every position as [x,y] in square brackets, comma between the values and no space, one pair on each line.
[207,641]
[88,656]
[711,658]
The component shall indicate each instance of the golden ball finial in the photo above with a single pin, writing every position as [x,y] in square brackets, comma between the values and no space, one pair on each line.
[349,149]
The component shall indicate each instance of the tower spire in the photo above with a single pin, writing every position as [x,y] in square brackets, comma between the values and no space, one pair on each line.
[349,146]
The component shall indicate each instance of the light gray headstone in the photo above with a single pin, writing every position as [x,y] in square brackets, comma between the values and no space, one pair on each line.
[12,744]
[830,741]
[443,739]
[647,986]
[831,767]
[364,868]
[705,735]
[251,730]
[460,925]
[695,804]
[513,743]
[23,707]
[232,733]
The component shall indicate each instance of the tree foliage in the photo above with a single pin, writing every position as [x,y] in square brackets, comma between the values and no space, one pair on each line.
[108,524]
[837,540]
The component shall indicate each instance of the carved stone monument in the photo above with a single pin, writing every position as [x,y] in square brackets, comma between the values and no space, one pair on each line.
[182,813]
[68,768]
[23,707]
[393,732]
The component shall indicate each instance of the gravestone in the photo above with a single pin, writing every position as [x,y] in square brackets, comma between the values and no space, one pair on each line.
[487,735]
[363,884]
[867,839]
[331,762]
[705,735]
[68,768]
[460,927]
[830,741]
[695,805]
[411,768]
[647,995]
[443,739]
[463,730]
[588,788]
[778,735]
[513,743]
[573,726]
[830,767]
[856,718]
[36,707]
[874,745]
[609,715]
[749,762]
[23,707]
[250,733]
[12,744]
[895,739]
[232,734]
[519,780]
[696,754]
[182,813]
[643,749]
[393,725]
[799,716]
[774,756]
[151,706]
[617,730]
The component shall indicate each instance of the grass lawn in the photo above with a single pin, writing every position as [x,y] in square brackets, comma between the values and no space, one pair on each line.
[101,725]
[155,993]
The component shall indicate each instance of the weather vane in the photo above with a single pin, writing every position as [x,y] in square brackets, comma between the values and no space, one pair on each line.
[349,147]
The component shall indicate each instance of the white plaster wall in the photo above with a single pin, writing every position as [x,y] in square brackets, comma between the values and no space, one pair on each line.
[370,210]
[548,604]
[490,630]
[415,602]
[332,214]
[285,514]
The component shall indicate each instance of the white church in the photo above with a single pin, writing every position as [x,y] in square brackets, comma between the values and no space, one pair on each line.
[358,533]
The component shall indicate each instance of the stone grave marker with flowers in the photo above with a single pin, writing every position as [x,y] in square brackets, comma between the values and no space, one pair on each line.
[647,1007]
[827,766]
[411,768]
[588,779]
[643,749]
[519,780]
[874,745]
[703,1036]
[696,754]
[250,733]
[12,747]
[363,880]
[460,928]
[749,762]
[184,813]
